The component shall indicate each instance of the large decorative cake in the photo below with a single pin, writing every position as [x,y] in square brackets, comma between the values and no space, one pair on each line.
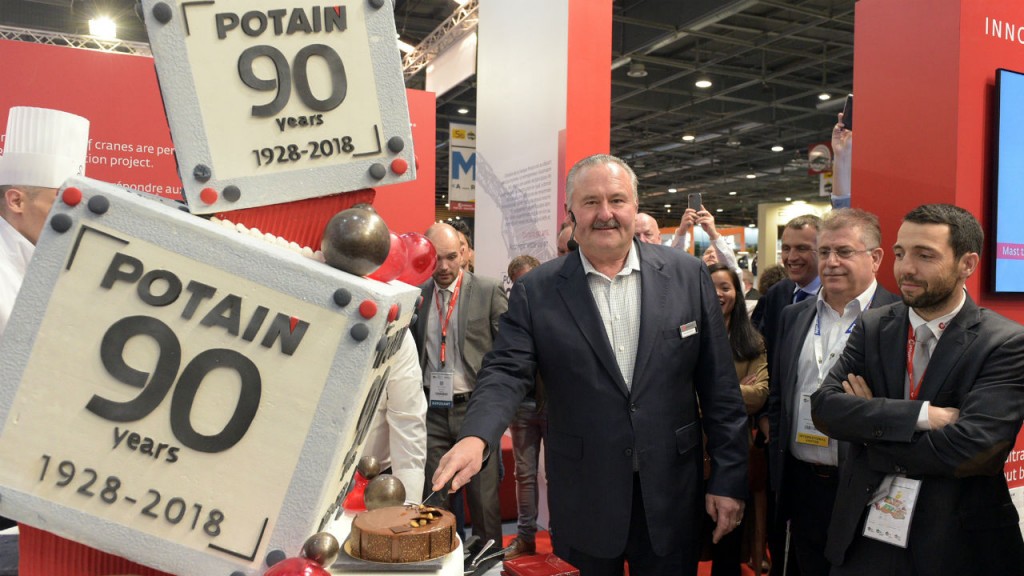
[412,533]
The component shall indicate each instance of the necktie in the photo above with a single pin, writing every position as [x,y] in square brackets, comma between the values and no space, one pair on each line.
[922,351]
[800,296]
[446,296]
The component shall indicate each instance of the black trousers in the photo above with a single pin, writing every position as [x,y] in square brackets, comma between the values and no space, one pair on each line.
[641,558]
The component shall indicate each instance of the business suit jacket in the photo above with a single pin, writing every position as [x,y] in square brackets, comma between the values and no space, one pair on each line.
[964,522]
[481,299]
[794,325]
[598,430]
[766,314]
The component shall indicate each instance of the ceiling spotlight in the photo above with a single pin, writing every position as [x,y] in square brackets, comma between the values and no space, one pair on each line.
[636,70]
[732,142]
[732,193]
[703,82]
[777,148]
[672,190]
[751,225]
[668,205]
[463,110]
[751,176]
[103,27]
[719,209]
[824,96]
[689,137]
[788,199]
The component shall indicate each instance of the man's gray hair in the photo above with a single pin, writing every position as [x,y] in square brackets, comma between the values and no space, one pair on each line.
[596,160]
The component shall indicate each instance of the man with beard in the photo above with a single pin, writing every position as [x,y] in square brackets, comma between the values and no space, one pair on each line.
[922,490]
[458,320]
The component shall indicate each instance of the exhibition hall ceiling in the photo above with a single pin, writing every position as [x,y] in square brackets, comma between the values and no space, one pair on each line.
[768,61]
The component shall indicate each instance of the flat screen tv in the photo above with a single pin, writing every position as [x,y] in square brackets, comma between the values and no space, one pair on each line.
[1008,204]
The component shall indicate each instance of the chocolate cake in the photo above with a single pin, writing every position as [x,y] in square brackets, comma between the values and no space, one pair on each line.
[410,533]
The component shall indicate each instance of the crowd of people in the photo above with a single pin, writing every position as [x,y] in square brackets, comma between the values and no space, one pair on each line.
[673,421]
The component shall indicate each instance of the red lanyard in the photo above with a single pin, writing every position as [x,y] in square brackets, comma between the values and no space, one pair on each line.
[448,315]
[915,388]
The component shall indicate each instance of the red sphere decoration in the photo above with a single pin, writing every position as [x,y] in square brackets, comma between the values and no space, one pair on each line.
[399,166]
[395,262]
[422,259]
[296,567]
[368,309]
[72,196]
[208,195]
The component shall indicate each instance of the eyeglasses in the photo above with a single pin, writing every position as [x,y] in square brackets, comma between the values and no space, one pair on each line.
[841,253]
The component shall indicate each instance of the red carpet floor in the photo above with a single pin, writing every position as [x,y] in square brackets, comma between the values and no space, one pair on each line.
[544,547]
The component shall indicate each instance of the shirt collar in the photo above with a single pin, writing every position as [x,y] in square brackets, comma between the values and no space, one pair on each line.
[937,325]
[812,288]
[863,299]
[632,263]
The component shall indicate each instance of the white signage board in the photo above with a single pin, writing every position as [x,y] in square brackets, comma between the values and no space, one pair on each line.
[461,167]
[190,398]
[271,102]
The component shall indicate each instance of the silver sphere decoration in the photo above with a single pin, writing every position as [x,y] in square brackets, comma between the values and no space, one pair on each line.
[322,548]
[383,491]
[356,241]
[369,467]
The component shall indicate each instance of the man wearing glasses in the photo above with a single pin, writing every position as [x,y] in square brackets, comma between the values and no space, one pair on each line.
[802,460]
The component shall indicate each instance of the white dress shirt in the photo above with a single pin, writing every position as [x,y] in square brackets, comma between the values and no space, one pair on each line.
[823,345]
[618,301]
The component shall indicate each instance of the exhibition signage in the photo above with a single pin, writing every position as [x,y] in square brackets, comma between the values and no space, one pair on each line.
[179,390]
[270,103]
[462,167]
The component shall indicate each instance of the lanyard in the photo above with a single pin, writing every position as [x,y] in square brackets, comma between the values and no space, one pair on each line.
[915,387]
[447,316]
[819,355]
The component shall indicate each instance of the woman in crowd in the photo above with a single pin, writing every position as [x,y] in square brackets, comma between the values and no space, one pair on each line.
[751,364]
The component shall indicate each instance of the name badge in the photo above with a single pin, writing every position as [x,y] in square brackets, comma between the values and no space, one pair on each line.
[889,519]
[688,329]
[442,389]
[806,433]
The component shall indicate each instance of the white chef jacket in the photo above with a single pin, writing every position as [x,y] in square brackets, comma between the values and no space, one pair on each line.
[15,253]
[398,434]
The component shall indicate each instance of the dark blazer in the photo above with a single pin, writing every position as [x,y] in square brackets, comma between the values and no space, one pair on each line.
[794,325]
[964,522]
[481,299]
[767,313]
[599,431]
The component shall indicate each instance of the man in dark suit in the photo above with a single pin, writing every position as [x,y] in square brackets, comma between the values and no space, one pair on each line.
[800,261]
[803,461]
[456,326]
[627,338]
[947,424]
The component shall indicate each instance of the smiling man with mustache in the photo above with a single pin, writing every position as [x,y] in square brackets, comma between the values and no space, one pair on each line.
[626,336]
[929,393]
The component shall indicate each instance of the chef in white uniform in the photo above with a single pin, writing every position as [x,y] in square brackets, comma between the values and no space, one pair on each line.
[42,149]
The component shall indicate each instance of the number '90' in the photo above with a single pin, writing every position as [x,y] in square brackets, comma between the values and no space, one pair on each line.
[282,80]
[156,383]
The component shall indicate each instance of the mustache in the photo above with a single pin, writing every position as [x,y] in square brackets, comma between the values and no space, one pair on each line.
[610,224]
